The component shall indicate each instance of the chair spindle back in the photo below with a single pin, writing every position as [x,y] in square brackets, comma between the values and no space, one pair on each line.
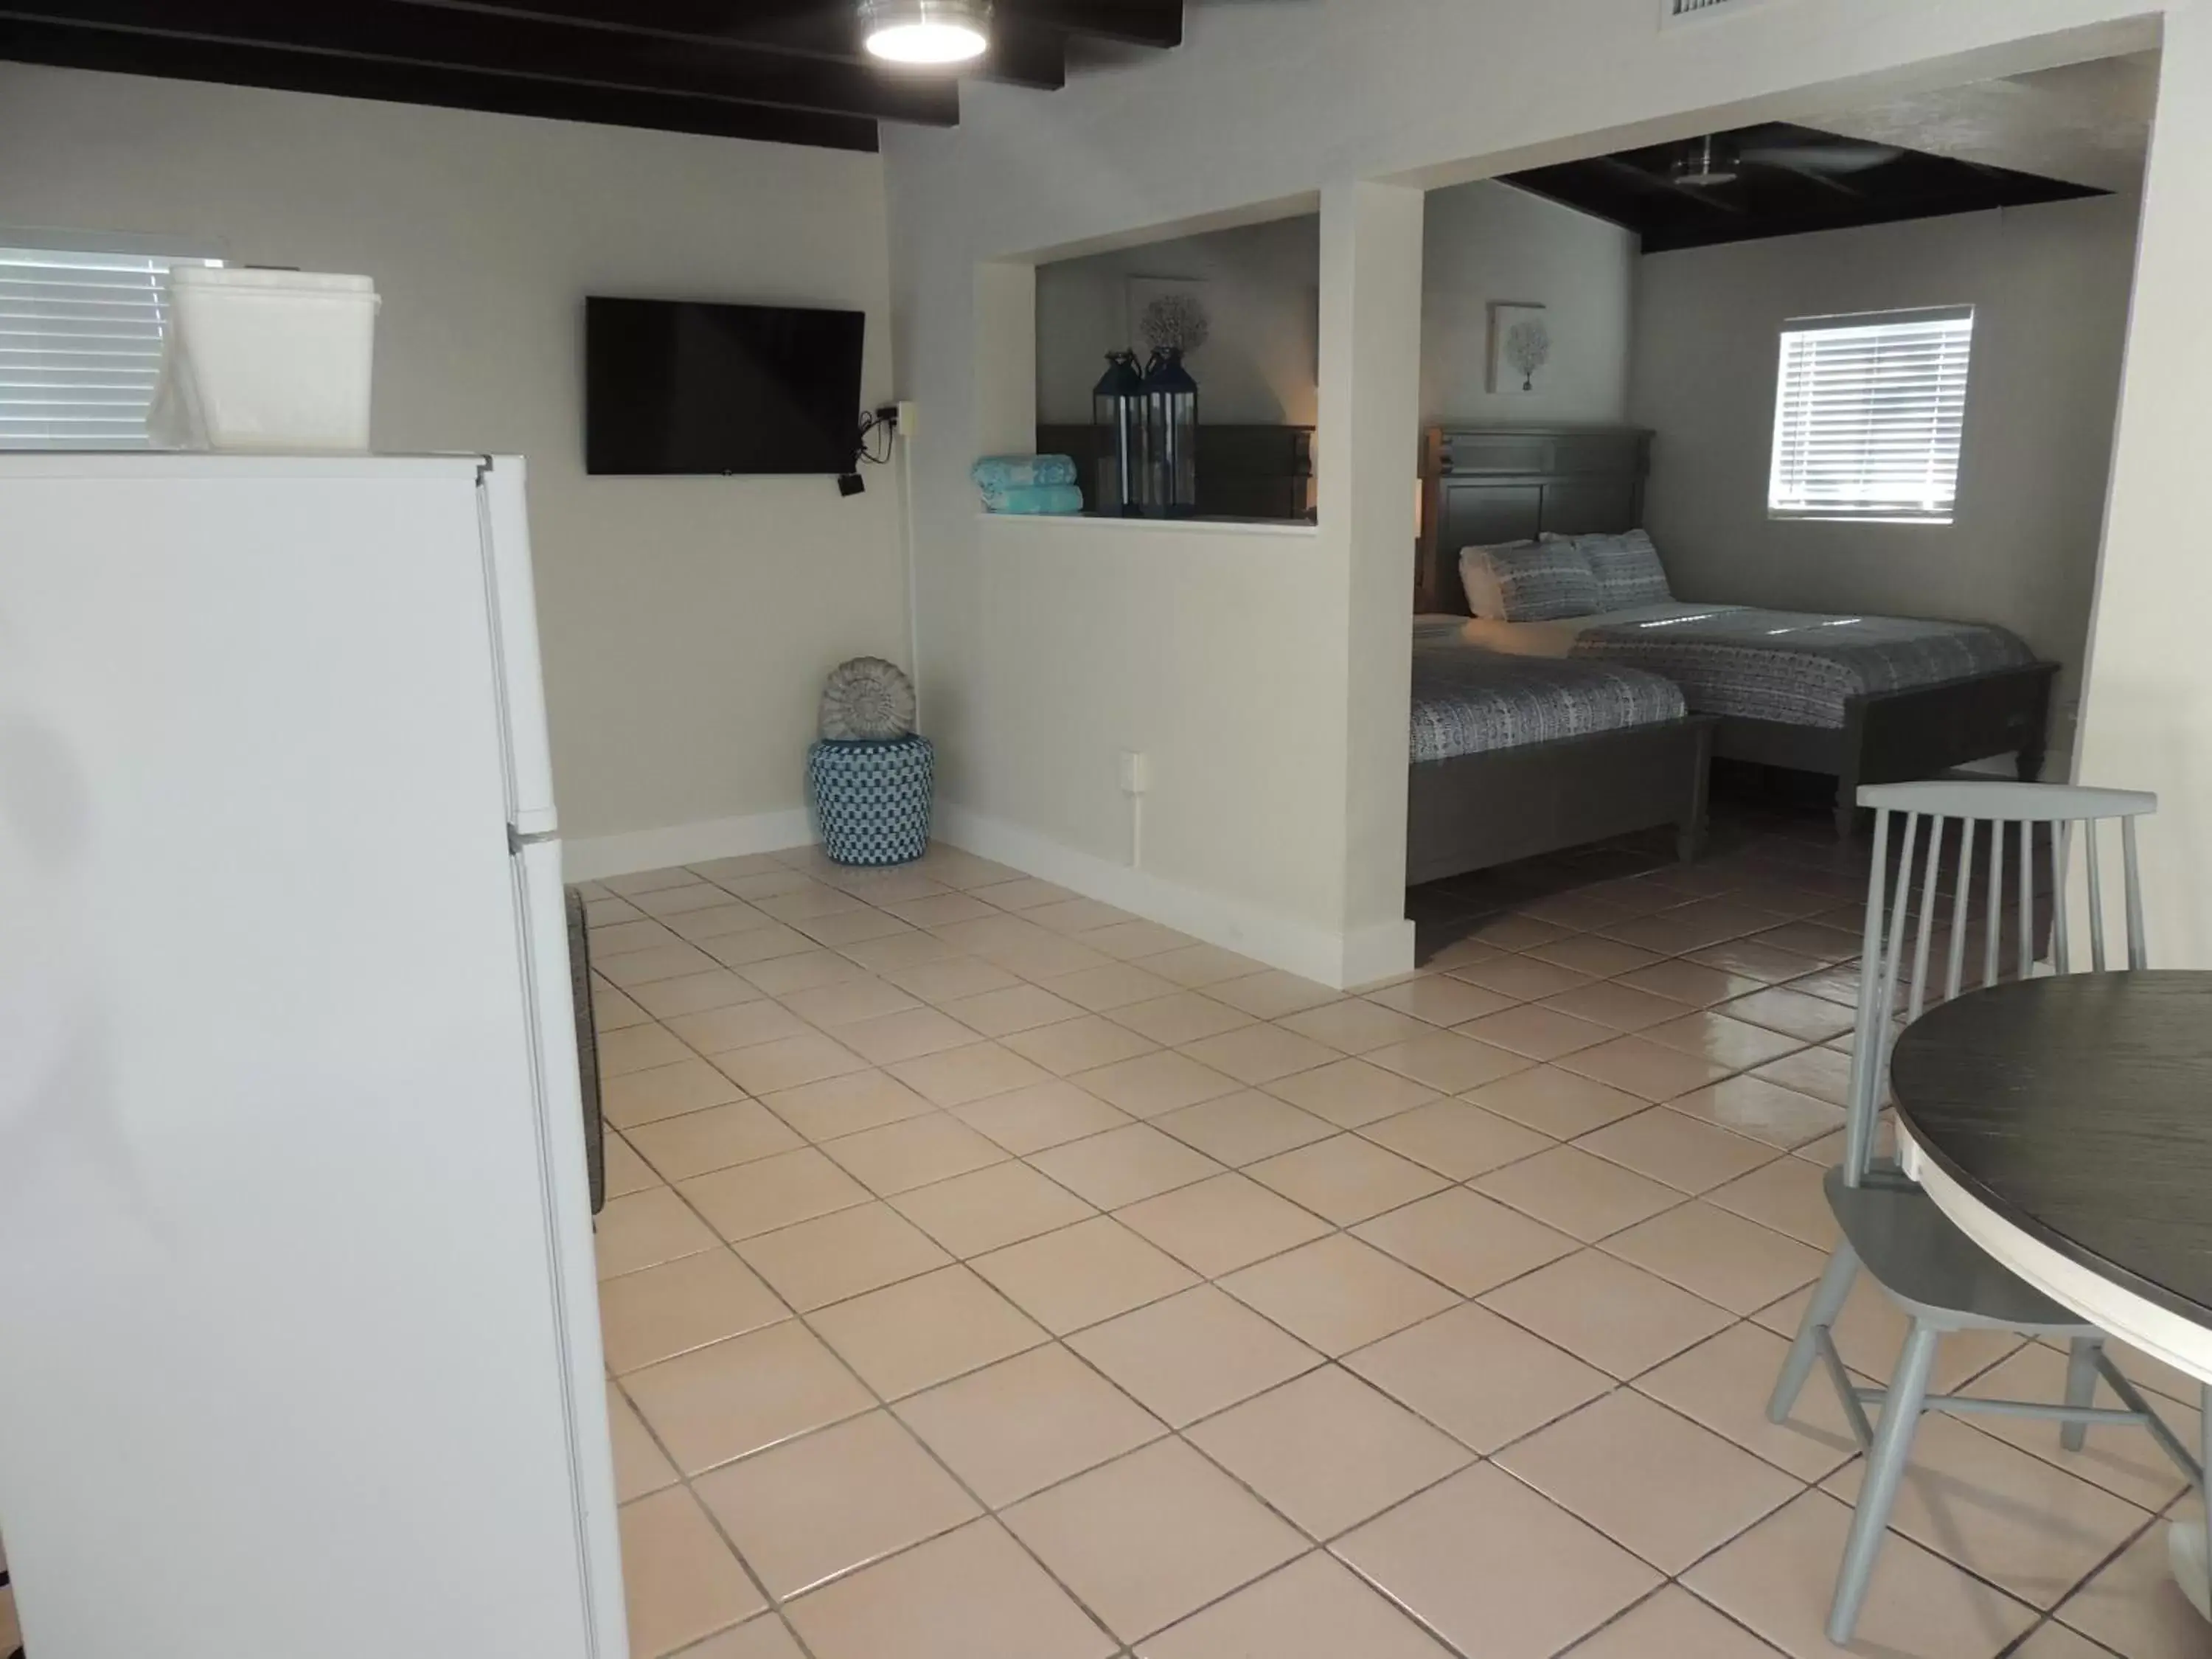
[1919,819]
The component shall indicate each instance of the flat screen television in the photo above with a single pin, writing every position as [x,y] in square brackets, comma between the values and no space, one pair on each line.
[680,387]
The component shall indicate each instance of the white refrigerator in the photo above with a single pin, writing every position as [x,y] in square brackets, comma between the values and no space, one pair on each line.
[299,1345]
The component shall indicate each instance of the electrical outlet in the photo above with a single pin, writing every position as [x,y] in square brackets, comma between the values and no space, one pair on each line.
[1136,772]
[909,420]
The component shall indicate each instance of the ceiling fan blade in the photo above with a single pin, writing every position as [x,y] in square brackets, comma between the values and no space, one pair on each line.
[1628,173]
[1821,158]
[1659,184]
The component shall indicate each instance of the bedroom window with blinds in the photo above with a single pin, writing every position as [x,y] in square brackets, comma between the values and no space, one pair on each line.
[80,345]
[1867,417]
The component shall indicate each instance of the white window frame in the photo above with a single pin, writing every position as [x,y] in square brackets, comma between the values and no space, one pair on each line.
[1873,434]
[69,385]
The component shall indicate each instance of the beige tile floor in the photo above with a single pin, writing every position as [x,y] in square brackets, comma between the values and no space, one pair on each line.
[990,1273]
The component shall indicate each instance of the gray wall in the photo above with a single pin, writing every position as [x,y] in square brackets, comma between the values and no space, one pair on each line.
[1489,241]
[2050,287]
[1484,242]
[1262,292]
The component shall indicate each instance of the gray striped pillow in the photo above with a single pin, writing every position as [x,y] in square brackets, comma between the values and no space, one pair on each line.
[1529,581]
[1628,570]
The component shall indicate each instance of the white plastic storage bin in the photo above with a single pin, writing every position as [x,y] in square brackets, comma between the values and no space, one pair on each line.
[266,360]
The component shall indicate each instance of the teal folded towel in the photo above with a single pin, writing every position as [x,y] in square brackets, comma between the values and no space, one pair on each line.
[1023,472]
[1037,501]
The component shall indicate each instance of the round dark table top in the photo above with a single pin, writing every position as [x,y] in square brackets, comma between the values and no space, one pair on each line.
[2079,1109]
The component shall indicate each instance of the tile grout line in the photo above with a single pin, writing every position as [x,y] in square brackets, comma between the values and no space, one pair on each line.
[2050,1616]
[1682,1199]
[1335,1227]
[986,1512]
[1172,1432]
[1582,1244]
[1326,1361]
[1249,1021]
[1359,1130]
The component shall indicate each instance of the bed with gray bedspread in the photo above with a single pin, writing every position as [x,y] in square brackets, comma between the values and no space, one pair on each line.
[1797,668]
[1468,702]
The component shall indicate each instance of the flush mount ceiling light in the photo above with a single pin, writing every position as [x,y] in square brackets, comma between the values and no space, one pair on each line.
[926,32]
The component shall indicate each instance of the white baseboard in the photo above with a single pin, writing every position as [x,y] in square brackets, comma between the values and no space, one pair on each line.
[592,858]
[1339,960]
[1343,960]
[1372,955]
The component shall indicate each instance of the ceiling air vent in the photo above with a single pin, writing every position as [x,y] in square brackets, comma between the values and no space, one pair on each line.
[1687,11]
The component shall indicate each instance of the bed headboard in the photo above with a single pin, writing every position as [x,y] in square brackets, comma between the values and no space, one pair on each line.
[1482,485]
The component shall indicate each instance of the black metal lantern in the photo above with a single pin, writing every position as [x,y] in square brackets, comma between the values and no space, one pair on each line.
[1170,489]
[1118,415]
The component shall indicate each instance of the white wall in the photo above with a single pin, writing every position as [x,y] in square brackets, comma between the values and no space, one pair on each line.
[1141,619]
[687,622]
[1486,242]
[1489,242]
[2049,286]
[1262,286]
[2147,697]
[1264,107]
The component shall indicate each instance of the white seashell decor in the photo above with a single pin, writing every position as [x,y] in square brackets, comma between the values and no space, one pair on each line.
[867,700]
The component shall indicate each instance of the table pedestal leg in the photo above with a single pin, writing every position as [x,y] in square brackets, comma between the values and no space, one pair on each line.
[2189,1543]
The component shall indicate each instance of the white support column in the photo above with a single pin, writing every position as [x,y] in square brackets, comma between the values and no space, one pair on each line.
[2147,690]
[1368,454]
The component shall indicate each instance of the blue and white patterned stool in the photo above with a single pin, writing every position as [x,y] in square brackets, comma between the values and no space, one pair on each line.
[872,799]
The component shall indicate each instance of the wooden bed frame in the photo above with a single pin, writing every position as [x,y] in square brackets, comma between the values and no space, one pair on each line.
[1486,485]
[1476,811]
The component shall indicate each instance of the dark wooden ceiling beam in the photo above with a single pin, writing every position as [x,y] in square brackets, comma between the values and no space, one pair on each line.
[785,70]
[1828,181]
[231,65]
[1790,181]
[1022,53]
[830,27]
[518,47]
[1139,22]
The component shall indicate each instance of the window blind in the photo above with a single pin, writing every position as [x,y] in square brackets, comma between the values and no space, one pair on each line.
[80,346]
[1869,416]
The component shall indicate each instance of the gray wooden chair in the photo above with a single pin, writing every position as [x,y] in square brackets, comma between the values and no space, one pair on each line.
[1891,1229]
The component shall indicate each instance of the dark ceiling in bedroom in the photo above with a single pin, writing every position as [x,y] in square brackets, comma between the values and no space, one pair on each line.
[792,71]
[1779,180]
